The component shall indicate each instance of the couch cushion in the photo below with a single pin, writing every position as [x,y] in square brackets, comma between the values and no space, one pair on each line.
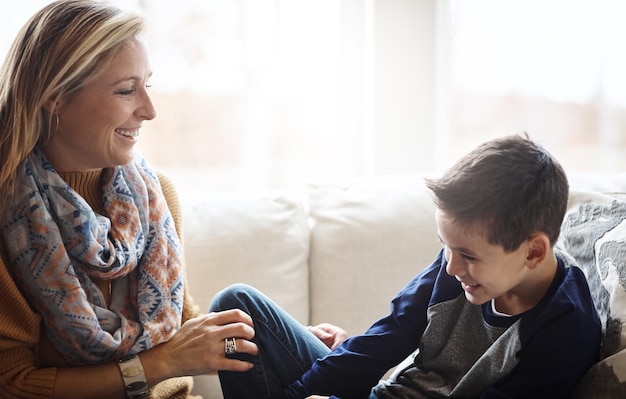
[368,239]
[594,233]
[261,239]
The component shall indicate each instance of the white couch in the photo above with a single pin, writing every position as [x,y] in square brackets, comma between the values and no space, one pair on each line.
[338,256]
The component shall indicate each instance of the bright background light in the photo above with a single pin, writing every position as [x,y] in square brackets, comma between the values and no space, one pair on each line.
[278,93]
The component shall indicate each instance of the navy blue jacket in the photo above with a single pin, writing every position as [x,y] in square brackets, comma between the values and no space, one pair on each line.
[465,350]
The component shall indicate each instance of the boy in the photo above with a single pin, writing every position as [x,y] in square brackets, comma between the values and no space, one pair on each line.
[498,314]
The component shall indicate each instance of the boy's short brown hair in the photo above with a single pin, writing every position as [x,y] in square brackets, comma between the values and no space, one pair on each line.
[510,187]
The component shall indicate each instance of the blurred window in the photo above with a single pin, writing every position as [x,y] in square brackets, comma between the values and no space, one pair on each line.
[553,68]
[277,93]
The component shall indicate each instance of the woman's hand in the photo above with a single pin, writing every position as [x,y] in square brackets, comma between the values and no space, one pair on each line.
[198,347]
[329,334]
[317,397]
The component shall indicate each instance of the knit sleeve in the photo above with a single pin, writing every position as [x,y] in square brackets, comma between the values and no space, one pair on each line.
[190,310]
[19,336]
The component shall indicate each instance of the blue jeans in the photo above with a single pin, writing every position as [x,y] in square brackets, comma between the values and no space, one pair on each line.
[286,348]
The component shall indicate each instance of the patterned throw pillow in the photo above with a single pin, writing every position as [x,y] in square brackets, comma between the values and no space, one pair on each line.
[594,234]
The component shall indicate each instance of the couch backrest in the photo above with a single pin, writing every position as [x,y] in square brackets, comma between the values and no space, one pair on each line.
[261,239]
[368,239]
[342,254]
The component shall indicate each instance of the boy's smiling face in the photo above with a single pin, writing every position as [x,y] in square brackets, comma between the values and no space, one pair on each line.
[484,270]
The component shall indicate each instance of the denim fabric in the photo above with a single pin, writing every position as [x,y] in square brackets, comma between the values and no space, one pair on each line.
[286,348]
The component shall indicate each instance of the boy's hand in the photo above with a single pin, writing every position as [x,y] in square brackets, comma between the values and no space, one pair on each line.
[329,334]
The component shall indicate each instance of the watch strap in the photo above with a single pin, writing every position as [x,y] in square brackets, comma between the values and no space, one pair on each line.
[135,381]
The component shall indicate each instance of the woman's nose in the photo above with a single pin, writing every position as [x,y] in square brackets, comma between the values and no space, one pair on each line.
[146,111]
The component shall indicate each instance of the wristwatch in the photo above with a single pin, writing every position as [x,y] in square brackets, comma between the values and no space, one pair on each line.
[135,381]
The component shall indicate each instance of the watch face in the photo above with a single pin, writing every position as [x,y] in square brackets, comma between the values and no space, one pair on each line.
[131,371]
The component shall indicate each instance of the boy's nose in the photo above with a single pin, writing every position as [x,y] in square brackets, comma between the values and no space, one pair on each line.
[454,266]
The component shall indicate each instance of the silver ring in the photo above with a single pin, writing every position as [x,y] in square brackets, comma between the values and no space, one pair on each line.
[230,346]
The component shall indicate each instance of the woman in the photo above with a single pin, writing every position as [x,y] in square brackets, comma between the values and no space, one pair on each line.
[93,303]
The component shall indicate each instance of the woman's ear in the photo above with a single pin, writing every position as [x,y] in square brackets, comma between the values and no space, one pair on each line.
[53,105]
[538,248]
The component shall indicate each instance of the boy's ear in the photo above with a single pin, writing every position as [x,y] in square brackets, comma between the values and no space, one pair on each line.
[538,248]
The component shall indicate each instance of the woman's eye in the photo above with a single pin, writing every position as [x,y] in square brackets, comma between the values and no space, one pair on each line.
[126,92]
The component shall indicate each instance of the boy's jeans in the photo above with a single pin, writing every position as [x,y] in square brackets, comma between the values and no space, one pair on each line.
[286,348]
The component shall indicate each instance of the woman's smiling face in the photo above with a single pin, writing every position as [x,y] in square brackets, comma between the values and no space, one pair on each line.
[99,125]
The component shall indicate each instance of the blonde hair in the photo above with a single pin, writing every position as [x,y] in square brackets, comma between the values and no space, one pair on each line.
[60,48]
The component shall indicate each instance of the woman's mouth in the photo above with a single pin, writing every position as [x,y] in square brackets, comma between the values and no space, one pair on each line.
[128,133]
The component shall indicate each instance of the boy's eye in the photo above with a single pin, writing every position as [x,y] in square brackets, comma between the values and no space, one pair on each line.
[468,258]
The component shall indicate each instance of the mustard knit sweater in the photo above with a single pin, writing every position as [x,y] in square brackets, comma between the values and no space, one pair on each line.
[28,361]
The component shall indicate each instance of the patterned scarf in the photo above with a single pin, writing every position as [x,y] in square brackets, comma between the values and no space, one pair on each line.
[58,245]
